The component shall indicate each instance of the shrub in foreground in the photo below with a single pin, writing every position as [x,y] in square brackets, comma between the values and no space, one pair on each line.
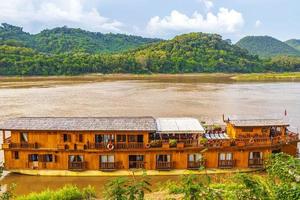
[68,192]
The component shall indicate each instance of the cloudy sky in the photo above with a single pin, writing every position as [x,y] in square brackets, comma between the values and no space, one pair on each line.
[159,18]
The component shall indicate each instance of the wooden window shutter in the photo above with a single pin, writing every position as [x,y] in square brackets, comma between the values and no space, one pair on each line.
[77,137]
[69,138]
[62,137]
[41,158]
[55,158]
[29,158]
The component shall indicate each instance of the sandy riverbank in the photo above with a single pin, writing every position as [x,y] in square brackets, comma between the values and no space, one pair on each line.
[48,81]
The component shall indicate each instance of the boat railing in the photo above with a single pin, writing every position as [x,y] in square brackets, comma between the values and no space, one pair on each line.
[195,164]
[77,165]
[137,164]
[135,145]
[186,143]
[255,162]
[164,165]
[109,165]
[117,145]
[226,164]
[24,145]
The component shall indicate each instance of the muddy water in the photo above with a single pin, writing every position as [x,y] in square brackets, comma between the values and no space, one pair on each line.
[204,98]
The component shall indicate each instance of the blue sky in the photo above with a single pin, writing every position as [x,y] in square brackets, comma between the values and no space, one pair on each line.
[232,19]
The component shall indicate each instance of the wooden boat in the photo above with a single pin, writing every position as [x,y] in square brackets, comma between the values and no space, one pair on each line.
[114,143]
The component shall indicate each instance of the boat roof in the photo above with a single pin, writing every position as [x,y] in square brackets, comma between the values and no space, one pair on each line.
[161,125]
[179,125]
[80,123]
[258,122]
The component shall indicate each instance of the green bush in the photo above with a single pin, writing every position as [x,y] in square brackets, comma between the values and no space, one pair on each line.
[172,142]
[127,189]
[68,192]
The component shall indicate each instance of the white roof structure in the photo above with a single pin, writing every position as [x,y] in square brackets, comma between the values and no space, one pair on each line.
[178,125]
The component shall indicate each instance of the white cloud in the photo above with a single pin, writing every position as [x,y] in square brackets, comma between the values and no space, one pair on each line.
[51,13]
[258,23]
[207,3]
[225,21]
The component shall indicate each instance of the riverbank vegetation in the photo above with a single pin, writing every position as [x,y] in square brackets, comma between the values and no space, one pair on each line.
[281,181]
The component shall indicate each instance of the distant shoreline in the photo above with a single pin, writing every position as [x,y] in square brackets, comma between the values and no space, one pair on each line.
[46,81]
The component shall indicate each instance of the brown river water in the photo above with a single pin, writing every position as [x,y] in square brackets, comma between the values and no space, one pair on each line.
[205,98]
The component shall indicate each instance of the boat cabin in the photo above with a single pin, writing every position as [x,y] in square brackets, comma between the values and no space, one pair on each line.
[122,143]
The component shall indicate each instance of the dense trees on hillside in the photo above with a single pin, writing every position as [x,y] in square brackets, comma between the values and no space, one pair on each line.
[294,43]
[266,46]
[195,52]
[64,39]
[64,51]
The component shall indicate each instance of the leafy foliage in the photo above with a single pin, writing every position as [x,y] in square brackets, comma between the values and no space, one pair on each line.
[283,167]
[195,52]
[64,39]
[122,188]
[266,46]
[116,189]
[294,43]
[68,192]
[66,51]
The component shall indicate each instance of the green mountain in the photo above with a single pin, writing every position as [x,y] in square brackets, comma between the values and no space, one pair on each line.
[294,43]
[194,52]
[266,46]
[64,39]
[66,51]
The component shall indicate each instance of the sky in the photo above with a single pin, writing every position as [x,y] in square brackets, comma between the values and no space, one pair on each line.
[233,19]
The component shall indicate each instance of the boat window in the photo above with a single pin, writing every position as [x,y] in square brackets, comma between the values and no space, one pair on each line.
[132,138]
[67,137]
[98,138]
[121,138]
[140,138]
[48,158]
[16,155]
[163,158]
[80,137]
[107,158]
[195,157]
[255,155]
[33,157]
[225,156]
[104,138]
[76,158]
[24,137]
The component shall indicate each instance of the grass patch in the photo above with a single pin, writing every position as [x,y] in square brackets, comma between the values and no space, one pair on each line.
[68,192]
[288,76]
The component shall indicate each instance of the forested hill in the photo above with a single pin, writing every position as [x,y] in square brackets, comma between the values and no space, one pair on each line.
[266,46]
[294,43]
[194,52]
[64,39]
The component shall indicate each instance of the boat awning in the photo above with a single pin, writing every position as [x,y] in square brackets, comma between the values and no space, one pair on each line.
[178,125]
[216,136]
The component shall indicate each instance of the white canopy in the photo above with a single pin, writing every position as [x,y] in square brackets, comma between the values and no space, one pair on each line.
[178,125]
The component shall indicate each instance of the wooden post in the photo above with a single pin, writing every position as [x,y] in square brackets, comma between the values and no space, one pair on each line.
[3,136]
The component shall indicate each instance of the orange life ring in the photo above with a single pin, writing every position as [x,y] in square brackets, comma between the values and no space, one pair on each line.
[110,146]
[148,145]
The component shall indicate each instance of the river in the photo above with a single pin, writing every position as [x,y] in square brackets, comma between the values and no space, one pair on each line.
[174,96]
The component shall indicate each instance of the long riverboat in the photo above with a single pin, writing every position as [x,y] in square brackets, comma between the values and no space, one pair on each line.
[122,143]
